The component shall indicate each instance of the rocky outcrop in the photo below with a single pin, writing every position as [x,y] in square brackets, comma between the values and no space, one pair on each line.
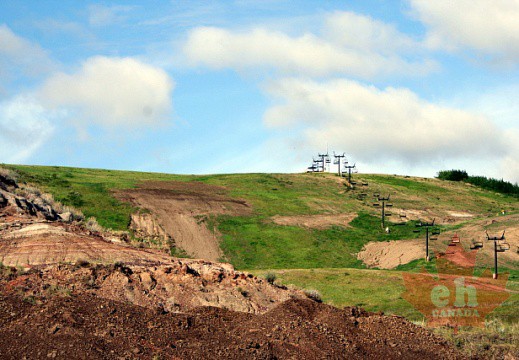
[33,205]
[25,200]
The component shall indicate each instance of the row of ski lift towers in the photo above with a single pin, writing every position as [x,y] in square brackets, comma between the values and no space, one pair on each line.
[432,231]
[323,163]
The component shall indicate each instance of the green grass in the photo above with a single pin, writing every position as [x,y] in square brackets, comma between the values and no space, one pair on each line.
[378,290]
[89,189]
[374,290]
[256,243]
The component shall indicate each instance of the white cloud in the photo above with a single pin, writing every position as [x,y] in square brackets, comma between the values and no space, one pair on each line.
[307,54]
[25,125]
[510,163]
[364,33]
[490,27]
[112,92]
[101,15]
[20,56]
[376,125]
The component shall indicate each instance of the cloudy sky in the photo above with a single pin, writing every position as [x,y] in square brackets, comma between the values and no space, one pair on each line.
[405,87]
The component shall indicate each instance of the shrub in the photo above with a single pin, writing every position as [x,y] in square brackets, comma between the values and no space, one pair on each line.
[500,186]
[453,175]
[270,277]
[314,295]
[92,225]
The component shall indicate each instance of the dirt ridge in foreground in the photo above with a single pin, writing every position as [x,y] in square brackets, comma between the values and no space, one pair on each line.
[86,327]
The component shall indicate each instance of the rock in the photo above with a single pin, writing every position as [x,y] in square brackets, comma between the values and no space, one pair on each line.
[148,282]
[5,183]
[54,329]
[66,216]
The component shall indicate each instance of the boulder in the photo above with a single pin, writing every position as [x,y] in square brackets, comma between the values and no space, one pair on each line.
[66,216]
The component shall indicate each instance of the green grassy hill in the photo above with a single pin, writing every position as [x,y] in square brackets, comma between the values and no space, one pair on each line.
[316,258]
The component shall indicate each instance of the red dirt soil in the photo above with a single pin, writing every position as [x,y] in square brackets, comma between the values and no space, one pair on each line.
[88,327]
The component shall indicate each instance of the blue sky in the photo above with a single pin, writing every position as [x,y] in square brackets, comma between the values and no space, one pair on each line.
[406,87]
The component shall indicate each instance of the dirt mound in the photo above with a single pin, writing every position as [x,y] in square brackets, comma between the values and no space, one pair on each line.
[321,221]
[181,285]
[86,327]
[390,254]
[182,210]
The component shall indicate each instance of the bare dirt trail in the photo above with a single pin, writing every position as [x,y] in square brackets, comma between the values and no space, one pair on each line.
[182,208]
[496,225]
[390,254]
[320,221]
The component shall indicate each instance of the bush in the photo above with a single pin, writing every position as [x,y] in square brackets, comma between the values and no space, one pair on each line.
[314,295]
[270,277]
[92,225]
[453,175]
[500,186]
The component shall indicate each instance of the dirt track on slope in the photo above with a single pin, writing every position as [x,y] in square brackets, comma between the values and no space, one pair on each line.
[390,254]
[321,221]
[182,209]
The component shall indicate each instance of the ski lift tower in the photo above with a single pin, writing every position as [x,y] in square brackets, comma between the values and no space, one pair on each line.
[325,159]
[434,235]
[382,203]
[319,164]
[337,161]
[349,168]
[500,245]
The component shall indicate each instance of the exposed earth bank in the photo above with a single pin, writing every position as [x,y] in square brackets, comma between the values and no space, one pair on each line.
[183,209]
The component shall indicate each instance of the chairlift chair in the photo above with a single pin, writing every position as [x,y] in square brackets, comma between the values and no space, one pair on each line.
[504,245]
[454,240]
[476,244]
[500,248]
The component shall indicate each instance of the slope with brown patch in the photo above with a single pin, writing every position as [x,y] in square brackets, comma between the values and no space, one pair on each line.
[181,208]
[320,221]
